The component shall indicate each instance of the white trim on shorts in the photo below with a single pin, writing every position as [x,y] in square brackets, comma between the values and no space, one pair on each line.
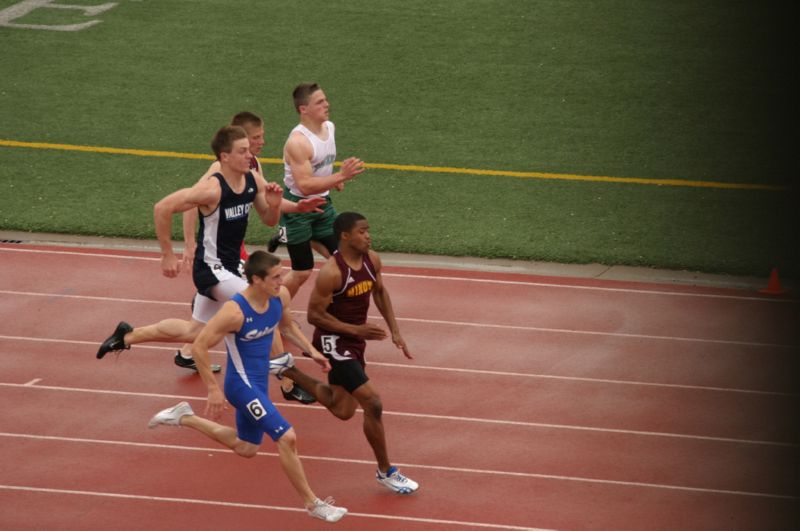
[229,285]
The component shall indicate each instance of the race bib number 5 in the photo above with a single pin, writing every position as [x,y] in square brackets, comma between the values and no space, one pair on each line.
[329,345]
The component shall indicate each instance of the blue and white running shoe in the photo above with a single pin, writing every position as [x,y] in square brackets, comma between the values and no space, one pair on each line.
[279,365]
[396,481]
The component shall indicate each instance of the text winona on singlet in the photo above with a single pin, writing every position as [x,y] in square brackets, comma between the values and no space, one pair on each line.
[350,302]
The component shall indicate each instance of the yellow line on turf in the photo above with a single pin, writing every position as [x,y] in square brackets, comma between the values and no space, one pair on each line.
[571,177]
[100,149]
[406,167]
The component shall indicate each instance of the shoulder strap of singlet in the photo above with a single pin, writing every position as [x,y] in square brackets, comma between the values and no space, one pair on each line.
[222,185]
[370,267]
[276,302]
[239,299]
[249,179]
[344,269]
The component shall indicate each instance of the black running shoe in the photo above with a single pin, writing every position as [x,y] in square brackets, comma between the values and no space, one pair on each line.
[299,394]
[277,240]
[274,243]
[116,341]
[188,363]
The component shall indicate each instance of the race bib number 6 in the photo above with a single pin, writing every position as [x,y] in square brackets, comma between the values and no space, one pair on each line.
[256,409]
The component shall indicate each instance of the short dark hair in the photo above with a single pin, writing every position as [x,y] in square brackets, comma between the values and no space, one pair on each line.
[224,138]
[302,93]
[245,119]
[259,263]
[345,222]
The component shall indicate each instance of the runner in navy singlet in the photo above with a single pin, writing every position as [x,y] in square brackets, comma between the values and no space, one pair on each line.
[223,199]
[254,127]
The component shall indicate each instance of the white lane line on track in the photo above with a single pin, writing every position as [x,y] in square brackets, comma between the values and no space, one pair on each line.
[753,298]
[185,304]
[219,503]
[481,372]
[530,475]
[452,418]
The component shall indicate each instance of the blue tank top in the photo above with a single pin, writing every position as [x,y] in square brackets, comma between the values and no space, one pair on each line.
[249,348]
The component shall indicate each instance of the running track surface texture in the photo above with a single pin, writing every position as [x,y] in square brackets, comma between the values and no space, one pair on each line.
[532,403]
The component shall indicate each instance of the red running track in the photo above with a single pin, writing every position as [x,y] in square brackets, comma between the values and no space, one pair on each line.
[533,403]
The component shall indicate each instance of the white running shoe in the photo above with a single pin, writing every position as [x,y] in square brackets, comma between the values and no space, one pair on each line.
[279,365]
[325,510]
[171,416]
[396,481]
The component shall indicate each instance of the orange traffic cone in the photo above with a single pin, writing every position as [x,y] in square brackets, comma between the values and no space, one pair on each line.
[774,286]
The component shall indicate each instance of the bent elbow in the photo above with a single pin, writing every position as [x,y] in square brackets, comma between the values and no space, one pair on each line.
[313,319]
[306,189]
[159,210]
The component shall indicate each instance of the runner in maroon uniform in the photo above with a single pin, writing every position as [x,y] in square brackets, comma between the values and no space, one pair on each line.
[349,304]
[338,309]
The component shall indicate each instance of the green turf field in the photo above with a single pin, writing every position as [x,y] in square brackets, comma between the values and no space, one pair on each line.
[649,90]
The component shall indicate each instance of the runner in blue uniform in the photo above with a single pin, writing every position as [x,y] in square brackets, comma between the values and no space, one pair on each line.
[338,309]
[247,324]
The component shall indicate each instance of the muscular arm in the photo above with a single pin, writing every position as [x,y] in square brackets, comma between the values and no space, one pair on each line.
[268,201]
[328,280]
[288,327]
[384,303]
[228,319]
[310,204]
[206,193]
[190,222]
[189,239]
[298,152]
